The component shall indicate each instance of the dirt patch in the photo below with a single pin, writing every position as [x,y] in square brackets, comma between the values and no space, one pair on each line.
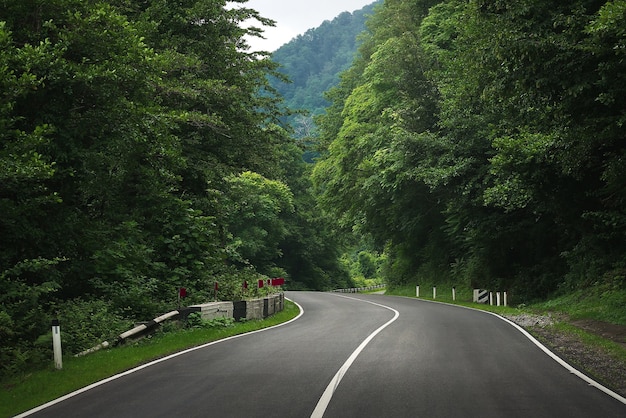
[595,362]
[615,333]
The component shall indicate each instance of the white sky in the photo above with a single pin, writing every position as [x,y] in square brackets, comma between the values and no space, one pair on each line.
[294,17]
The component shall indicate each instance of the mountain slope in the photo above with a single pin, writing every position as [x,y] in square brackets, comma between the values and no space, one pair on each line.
[313,62]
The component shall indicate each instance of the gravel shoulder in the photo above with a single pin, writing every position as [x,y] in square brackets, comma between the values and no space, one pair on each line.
[596,362]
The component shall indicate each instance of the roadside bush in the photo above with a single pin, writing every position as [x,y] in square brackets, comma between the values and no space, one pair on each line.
[86,323]
[194,320]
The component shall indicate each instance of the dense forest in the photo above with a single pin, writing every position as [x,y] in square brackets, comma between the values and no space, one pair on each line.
[484,143]
[312,62]
[143,148]
[141,152]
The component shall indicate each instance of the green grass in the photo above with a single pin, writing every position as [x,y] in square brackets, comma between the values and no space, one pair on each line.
[616,350]
[600,303]
[28,391]
[444,294]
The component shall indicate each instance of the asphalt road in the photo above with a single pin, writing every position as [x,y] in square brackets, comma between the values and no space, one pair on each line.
[356,356]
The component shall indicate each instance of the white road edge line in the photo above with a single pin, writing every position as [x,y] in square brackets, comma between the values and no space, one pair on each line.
[152,363]
[322,404]
[543,348]
[563,363]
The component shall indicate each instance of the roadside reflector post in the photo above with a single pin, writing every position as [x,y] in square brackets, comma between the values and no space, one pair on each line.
[454,293]
[498,298]
[434,292]
[56,344]
[505,301]
[491,298]
[417,291]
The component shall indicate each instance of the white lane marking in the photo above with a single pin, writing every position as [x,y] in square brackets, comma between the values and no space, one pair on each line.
[152,363]
[543,348]
[322,404]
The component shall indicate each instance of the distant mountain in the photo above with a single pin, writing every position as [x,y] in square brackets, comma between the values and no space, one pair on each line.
[313,62]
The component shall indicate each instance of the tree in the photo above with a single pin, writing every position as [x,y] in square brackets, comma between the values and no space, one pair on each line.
[372,176]
[453,140]
[121,123]
[256,205]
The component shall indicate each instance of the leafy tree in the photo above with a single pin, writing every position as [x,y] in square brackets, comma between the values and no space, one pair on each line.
[255,217]
[455,142]
[372,175]
[120,123]
[312,247]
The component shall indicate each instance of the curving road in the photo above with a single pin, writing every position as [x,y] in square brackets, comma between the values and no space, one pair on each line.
[356,356]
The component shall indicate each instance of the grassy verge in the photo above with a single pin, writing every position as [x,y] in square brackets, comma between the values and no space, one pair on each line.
[25,392]
[462,296]
[600,304]
[614,349]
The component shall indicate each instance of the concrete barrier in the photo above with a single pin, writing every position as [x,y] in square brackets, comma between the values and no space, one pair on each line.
[254,309]
[212,310]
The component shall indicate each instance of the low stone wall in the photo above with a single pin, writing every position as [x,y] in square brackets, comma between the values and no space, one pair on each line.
[243,309]
[212,310]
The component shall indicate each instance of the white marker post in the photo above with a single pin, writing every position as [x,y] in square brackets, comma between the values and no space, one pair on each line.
[505,300]
[56,344]
[434,293]
[417,291]
[497,298]
[490,298]
[454,293]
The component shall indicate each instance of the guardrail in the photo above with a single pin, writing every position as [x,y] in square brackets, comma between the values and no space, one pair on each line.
[245,309]
[360,289]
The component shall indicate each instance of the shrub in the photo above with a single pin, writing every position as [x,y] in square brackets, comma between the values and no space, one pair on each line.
[86,323]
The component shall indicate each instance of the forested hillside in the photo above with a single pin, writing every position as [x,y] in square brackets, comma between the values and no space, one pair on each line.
[313,61]
[142,149]
[484,143]
[139,153]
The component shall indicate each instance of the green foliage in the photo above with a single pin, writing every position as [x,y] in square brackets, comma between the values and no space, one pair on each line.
[123,129]
[86,323]
[23,316]
[254,218]
[194,320]
[482,142]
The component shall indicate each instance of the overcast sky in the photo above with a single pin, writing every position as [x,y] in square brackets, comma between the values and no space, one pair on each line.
[294,17]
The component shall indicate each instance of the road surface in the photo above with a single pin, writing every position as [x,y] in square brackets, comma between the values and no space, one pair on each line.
[356,356]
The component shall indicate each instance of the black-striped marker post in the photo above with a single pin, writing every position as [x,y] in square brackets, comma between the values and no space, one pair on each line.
[481,296]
